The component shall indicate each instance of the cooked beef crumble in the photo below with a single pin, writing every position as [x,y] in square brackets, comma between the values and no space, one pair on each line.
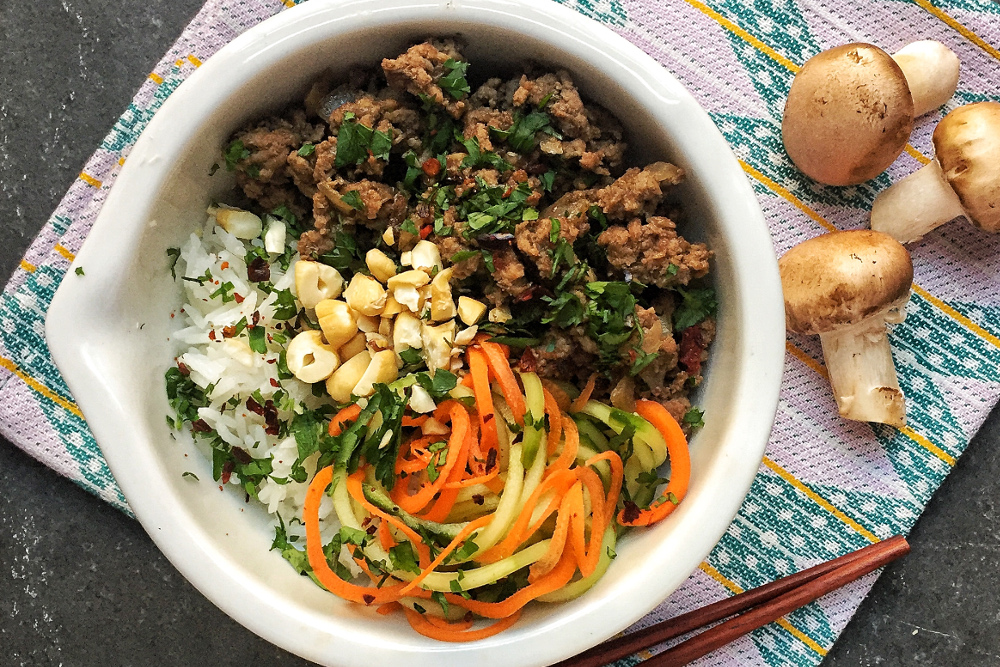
[522,185]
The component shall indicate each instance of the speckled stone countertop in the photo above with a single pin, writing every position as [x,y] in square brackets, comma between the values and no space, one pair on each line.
[82,584]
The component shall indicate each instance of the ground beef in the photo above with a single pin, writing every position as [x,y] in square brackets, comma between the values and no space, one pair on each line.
[534,239]
[656,339]
[419,69]
[451,246]
[319,239]
[324,155]
[383,204]
[302,172]
[559,356]
[509,273]
[646,251]
[367,109]
[429,188]
[478,122]
[562,102]
[638,191]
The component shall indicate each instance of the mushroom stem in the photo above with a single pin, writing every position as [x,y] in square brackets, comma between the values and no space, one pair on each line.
[863,377]
[916,205]
[931,70]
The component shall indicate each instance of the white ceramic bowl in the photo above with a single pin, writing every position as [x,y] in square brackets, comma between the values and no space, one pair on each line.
[108,331]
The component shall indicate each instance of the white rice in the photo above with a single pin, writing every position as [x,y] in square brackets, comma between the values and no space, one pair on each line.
[236,371]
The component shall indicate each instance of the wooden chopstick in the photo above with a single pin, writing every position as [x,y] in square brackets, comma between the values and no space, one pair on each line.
[765,604]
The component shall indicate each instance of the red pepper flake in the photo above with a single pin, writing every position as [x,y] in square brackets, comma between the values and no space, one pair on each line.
[229,331]
[239,299]
[491,461]
[224,266]
[200,426]
[478,499]
[254,407]
[691,349]
[274,383]
[256,318]
[242,455]
[271,418]
[211,334]
[431,167]
[631,512]
[507,192]
[425,231]
[183,368]
[528,294]
[227,472]
[171,316]
[259,270]
[368,598]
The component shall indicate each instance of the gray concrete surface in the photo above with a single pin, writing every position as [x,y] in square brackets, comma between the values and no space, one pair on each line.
[81,584]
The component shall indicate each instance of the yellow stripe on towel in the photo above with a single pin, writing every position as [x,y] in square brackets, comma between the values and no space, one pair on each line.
[41,388]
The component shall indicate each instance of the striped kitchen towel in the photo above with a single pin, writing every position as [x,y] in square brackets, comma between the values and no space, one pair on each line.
[826,486]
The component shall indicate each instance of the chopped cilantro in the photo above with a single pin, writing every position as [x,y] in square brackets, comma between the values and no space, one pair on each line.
[463,255]
[173,254]
[694,418]
[344,255]
[79,271]
[306,150]
[353,199]
[548,179]
[355,142]
[184,395]
[439,597]
[224,291]
[404,558]
[190,475]
[235,152]
[554,229]
[453,82]
[467,550]
[285,307]
[597,215]
[696,304]
[258,339]
[478,157]
[411,357]
[565,310]
[521,135]
[439,385]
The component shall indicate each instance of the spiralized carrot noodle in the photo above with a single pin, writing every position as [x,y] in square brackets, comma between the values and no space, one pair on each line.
[424,626]
[549,517]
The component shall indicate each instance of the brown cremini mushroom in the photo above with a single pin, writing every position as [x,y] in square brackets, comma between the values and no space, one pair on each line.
[850,109]
[963,179]
[848,116]
[845,286]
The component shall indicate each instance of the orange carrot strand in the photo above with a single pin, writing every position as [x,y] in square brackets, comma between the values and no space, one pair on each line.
[680,465]
[581,400]
[420,623]
[317,559]
[348,414]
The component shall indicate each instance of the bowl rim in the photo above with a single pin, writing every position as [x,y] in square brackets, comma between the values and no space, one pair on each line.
[120,224]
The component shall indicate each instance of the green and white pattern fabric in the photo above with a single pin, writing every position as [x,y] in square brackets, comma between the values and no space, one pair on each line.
[827,486]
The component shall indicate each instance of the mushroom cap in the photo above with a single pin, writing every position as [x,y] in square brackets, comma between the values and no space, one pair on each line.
[967,145]
[848,115]
[841,278]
